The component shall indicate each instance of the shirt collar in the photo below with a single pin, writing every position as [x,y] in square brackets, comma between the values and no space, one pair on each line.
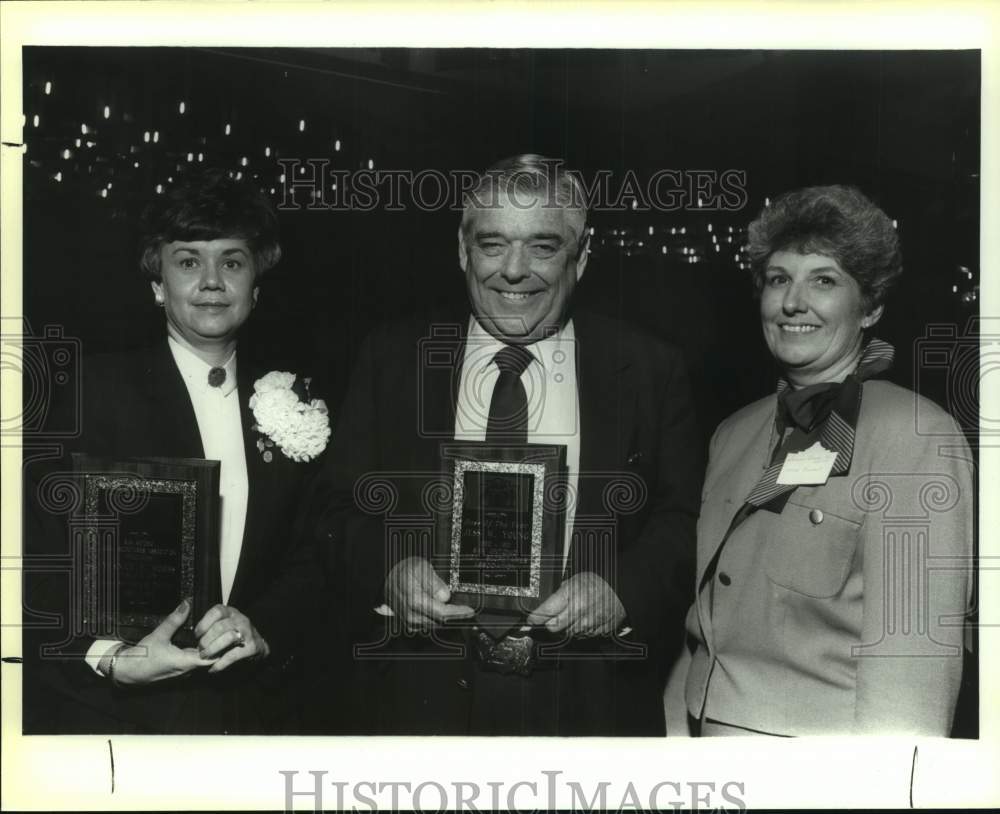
[195,370]
[487,345]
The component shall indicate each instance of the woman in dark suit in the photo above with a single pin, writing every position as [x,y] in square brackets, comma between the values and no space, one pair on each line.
[206,244]
[835,539]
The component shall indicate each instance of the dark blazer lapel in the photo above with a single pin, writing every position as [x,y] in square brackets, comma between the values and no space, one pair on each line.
[607,413]
[170,405]
[438,389]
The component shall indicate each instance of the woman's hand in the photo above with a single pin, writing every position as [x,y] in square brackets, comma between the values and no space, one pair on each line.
[155,658]
[226,636]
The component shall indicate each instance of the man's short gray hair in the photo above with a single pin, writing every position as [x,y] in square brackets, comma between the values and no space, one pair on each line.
[528,175]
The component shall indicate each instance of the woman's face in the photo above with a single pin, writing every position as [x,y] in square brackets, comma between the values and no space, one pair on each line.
[813,317]
[207,289]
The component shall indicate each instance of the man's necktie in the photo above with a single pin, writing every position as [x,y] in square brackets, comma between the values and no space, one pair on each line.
[508,419]
[216,376]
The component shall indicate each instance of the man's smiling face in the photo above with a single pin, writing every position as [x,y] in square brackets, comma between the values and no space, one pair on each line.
[522,260]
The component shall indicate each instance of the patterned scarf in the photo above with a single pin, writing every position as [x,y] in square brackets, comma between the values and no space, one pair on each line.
[825,412]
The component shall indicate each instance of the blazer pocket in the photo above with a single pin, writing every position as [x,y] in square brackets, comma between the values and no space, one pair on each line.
[811,550]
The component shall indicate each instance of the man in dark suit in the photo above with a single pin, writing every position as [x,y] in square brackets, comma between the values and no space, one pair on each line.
[206,244]
[520,368]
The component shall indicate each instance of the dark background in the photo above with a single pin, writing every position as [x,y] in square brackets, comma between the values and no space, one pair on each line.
[901,125]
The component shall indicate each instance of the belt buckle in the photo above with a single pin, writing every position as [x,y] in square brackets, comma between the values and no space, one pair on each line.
[509,654]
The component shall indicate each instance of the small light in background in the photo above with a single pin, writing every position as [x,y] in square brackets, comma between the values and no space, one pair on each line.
[66,153]
[79,142]
[58,176]
[244,161]
[170,179]
[201,156]
[145,136]
[159,189]
[239,175]
[35,120]
[371,164]
[651,230]
[710,227]
[302,125]
[83,129]
[190,157]
[181,107]
[156,136]
[267,151]
[104,193]
[895,223]
[663,249]
[136,165]
[107,112]
[229,129]
[281,178]
[767,202]
[336,145]
[48,88]
[954,289]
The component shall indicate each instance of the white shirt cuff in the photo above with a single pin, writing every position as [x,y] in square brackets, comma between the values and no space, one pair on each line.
[98,650]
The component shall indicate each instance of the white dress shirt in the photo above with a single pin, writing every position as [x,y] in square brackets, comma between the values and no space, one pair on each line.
[553,403]
[217,411]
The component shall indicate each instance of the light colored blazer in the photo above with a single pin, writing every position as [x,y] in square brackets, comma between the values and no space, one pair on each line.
[843,613]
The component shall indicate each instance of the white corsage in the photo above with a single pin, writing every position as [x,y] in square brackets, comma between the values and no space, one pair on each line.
[299,427]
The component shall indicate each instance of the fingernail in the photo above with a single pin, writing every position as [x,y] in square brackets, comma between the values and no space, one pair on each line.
[182,606]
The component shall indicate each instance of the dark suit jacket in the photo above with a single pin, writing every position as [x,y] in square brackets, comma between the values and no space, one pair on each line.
[640,478]
[135,404]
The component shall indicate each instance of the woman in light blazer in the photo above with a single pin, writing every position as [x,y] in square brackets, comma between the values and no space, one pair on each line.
[835,540]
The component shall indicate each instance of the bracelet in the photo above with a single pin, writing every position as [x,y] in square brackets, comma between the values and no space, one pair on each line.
[114,660]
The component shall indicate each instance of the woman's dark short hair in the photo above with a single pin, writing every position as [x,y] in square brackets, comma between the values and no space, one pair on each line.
[210,206]
[836,221]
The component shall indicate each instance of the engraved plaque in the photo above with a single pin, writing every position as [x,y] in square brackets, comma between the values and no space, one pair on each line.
[502,545]
[149,540]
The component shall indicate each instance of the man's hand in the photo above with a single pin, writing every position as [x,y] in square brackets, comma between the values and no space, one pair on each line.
[224,631]
[585,605]
[419,597]
[155,658]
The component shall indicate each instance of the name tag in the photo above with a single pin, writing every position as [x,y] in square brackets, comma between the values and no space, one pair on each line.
[811,467]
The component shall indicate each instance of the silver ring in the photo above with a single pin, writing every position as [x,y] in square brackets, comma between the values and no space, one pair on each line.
[240,641]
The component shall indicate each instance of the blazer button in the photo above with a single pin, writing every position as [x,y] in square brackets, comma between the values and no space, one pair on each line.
[463,683]
[816,517]
[724,578]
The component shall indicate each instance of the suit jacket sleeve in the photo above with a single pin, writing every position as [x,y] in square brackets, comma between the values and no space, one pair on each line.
[655,579]
[353,540]
[908,676]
